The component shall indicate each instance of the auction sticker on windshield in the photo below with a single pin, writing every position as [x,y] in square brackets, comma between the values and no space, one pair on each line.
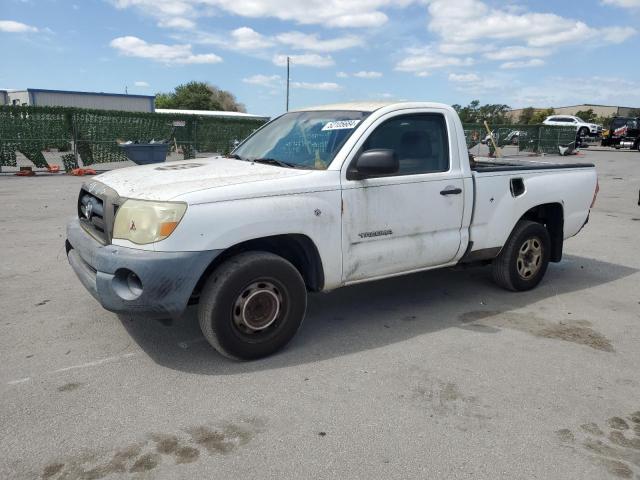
[341,125]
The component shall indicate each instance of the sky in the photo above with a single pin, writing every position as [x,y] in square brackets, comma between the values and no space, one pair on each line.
[521,53]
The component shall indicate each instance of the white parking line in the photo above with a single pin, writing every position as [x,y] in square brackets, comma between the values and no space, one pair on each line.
[21,380]
[94,364]
[78,367]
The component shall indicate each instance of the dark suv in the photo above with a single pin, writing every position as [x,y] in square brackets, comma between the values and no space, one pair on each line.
[624,132]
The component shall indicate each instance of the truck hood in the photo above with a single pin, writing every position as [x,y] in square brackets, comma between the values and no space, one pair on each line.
[166,181]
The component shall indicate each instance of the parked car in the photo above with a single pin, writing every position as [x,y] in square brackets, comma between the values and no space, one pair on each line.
[623,132]
[583,128]
[316,200]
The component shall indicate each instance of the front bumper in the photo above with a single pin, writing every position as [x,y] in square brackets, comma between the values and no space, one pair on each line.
[167,278]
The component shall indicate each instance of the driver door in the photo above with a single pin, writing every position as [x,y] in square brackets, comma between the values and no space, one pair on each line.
[408,220]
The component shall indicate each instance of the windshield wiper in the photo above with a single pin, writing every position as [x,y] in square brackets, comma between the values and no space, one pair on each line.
[234,156]
[279,163]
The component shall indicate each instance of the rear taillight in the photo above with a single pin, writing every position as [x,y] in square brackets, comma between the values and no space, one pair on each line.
[595,194]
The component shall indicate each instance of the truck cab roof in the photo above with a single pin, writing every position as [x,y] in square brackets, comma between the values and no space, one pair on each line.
[372,106]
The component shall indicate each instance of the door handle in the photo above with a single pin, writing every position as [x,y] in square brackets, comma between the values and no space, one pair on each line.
[451,191]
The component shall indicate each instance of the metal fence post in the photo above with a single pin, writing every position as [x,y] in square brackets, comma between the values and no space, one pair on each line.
[74,135]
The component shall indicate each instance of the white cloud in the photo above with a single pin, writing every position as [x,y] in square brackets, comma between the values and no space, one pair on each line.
[514,52]
[330,13]
[365,74]
[426,58]
[305,59]
[328,86]
[245,38]
[170,54]
[461,48]
[311,42]
[466,21]
[270,81]
[177,14]
[623,3]
[423,74]
[534,62]
[141,84]
[342,75]
[177,23]
[556,91]
[464,78]
[11,26]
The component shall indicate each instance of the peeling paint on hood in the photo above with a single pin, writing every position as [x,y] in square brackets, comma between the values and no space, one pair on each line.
[165,181]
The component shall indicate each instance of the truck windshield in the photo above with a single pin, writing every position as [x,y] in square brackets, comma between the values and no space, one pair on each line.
[301,139]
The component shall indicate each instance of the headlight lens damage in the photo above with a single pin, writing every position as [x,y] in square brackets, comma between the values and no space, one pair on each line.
[143,222]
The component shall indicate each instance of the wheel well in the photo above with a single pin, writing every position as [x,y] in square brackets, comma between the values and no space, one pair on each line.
[296,248]
[551,215]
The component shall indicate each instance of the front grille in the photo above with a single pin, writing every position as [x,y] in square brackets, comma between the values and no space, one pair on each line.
[97,205]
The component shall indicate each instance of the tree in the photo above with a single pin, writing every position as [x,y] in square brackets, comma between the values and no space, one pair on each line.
[541,115]
[199,96]
[605,121]
[495,114]
[587,115]
[526,115]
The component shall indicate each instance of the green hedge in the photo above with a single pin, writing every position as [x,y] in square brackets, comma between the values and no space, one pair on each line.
[96,133]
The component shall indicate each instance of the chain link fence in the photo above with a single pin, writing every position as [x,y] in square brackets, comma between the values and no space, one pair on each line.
[536,139]
[92,136]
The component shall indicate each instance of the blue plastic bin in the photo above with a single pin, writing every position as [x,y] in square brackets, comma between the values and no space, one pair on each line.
[145,153]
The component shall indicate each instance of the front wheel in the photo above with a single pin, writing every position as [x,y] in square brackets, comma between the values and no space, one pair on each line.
[252,305]
[583,132]
[524,259]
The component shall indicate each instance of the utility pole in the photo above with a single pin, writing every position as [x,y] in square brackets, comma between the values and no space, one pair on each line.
[288,59]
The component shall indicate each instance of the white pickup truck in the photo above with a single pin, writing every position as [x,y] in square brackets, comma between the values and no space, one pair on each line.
[315,200]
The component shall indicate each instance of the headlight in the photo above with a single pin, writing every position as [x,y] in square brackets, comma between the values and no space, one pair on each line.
[143,222]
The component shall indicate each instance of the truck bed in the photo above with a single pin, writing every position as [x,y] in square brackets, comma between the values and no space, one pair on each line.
[508,188]
[481,165]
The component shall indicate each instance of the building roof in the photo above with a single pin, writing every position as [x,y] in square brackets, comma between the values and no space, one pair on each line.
[73,92]
[209,113]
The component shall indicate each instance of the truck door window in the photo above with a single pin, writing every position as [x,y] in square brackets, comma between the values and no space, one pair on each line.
[419,141]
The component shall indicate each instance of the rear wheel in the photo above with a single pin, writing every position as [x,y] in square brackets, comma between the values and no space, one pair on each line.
[524,259]
[252,305]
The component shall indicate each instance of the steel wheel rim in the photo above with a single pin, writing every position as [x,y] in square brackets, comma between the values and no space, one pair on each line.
[529,258]
[258,307]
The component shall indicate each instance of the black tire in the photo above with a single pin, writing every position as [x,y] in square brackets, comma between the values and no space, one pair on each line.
[583,132]
[279,298]
[509,266]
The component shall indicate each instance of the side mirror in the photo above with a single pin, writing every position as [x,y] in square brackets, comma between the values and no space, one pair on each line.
[371,163]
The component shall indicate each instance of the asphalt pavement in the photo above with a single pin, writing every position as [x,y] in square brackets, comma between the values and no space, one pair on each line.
[437,375]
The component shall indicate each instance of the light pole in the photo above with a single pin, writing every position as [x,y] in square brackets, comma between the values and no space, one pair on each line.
[288,59]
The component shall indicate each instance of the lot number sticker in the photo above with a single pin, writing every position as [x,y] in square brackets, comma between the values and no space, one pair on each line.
[341,125]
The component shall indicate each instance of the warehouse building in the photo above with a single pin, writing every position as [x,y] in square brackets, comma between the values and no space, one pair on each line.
[599,110]
[66,98]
